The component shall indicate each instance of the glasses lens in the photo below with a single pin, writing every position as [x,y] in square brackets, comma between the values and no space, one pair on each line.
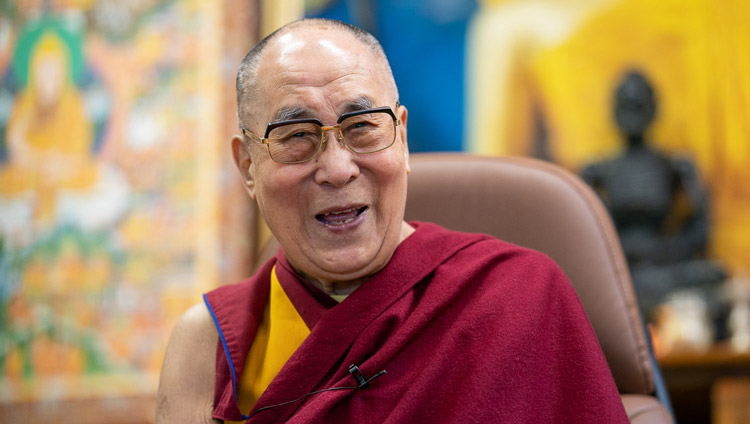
[369,132]
[294,142]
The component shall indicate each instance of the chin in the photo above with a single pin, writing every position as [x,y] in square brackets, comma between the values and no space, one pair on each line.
[348,268]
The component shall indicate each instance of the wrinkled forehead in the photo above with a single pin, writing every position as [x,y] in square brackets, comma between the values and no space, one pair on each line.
[319,68]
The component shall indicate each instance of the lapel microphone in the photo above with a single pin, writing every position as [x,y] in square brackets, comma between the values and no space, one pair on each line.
[354,370]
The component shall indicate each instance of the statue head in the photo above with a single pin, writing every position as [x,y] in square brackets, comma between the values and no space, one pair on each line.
[635,105]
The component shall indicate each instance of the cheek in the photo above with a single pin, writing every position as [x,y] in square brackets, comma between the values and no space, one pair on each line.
[392,184]
[279,194]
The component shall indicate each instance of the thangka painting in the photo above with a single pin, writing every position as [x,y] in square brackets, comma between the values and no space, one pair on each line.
[109,184]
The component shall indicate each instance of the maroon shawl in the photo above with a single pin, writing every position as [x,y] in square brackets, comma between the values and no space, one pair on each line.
[467,327]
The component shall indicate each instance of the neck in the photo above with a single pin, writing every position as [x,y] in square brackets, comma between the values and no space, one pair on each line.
[330,286]
[338,287]
[635,140]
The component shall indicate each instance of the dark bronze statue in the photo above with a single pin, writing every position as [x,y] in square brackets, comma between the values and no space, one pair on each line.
[658,205]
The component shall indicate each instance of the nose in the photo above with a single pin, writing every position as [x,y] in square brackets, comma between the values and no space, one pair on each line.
[335,165]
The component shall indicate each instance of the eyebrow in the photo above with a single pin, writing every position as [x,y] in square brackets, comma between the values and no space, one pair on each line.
[296,112]
[360,103]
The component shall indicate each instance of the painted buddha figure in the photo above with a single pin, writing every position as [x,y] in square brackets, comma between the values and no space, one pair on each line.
[51,176]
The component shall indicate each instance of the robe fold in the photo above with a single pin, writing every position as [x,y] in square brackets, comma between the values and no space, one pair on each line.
[468,329]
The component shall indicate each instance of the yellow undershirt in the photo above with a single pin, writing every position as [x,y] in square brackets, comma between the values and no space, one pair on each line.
[280,333]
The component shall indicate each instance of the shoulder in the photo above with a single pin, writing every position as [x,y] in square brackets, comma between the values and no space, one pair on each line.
[594,168]
[429,236]
[478,247]
[500,251]
[522,285]
[237,295]
[682,164]
[186,385]
[195,323]
[494,259]
[194,337]
[514,273]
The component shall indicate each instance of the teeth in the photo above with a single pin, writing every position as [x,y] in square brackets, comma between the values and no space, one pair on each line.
[341,212]
[340,217]
[346,221]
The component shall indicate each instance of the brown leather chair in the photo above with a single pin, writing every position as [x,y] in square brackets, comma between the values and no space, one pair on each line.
[539,205]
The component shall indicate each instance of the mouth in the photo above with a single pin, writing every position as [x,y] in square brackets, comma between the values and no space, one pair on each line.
[341,216]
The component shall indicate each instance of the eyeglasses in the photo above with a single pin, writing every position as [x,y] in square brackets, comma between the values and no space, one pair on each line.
[300,140]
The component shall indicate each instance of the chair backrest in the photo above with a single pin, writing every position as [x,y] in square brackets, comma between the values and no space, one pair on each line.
[539,205]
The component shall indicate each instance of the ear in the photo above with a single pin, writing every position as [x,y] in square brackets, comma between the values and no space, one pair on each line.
[403,115]
[243,160]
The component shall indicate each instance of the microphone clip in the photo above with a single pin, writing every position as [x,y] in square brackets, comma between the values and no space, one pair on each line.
[357,374]
[361,381]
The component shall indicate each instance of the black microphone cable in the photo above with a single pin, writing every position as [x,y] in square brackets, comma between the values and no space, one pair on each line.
[353,370]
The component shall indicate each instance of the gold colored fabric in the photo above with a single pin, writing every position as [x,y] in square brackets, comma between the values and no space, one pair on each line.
[279,334]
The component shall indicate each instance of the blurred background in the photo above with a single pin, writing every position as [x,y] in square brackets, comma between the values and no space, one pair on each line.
[119,204]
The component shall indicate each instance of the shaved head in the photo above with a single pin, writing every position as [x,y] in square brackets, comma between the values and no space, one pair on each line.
[247,74]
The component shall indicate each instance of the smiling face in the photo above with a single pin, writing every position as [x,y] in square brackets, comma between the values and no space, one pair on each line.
[339,217]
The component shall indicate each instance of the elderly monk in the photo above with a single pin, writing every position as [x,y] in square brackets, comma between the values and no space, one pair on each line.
[362,317]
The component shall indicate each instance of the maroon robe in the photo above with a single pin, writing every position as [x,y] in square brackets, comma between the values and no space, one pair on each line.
[468,329]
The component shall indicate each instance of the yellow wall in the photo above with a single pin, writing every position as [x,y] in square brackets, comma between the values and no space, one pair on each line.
[565,57]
